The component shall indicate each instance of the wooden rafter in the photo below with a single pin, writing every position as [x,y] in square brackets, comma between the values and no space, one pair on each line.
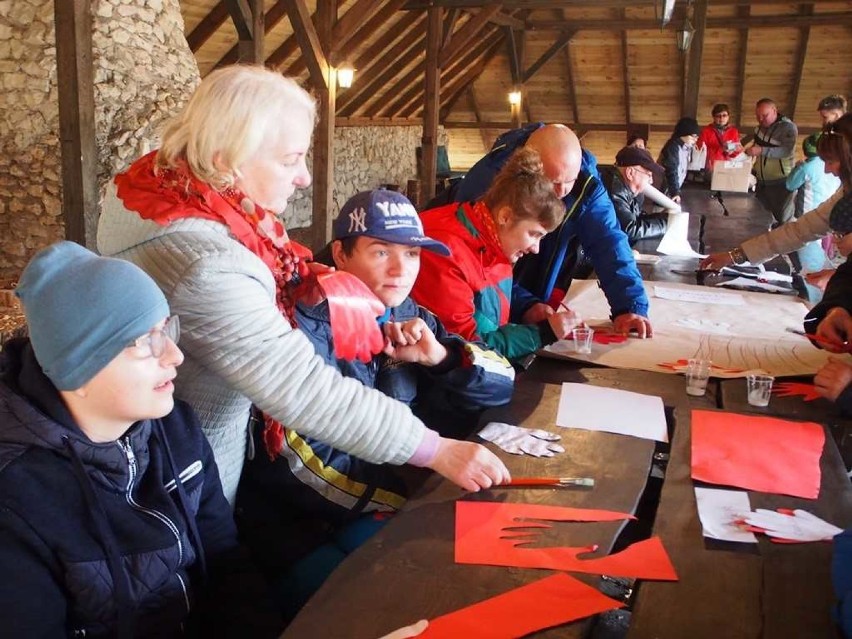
[341,54]
[695,55]
[471,29]
[742,13]
[804,37]
[241,16]
[408,103]
[431,101]
[287,48]
[349,24]
[513,51]
[712,23]
[507,20]
[477,113]
[450,25]
[402,54]
[208,26]
[459,84]
[561,41]
[559,4]
[625,72]
[323,147]
[309,42]
[572,83]
[275,14]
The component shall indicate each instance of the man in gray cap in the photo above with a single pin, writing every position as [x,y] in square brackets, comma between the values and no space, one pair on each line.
[634,170]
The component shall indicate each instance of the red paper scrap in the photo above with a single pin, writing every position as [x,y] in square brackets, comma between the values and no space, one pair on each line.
[541,604]
[681,365]
[807,392]
[353,309]
[757,453]
[605,337]
[482,538]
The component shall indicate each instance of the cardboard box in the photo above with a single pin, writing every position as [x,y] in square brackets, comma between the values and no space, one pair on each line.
[731,175]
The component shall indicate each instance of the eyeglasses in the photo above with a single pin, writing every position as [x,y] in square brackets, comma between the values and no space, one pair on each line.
[647,174]
[153,343]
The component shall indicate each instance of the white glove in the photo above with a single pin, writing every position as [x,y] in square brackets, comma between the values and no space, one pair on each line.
[800,526]
[521,441]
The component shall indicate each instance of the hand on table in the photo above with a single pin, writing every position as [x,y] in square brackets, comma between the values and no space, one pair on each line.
[469,465]
[820,278]
[537,313]
[798,526]
[836,326]
[413,341]
[627,322]
[517,440]
[409,631]
[563,323]
[715,261]
[833,378]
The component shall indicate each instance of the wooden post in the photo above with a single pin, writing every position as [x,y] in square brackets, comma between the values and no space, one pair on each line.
[801,55]
[74,73]
[429,141]
[323,158]
[247,16]
[696,51]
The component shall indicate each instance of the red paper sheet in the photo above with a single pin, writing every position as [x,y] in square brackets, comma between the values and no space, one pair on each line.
[807,392]
[482,538]
[542,604]
[353,309]
[758,453]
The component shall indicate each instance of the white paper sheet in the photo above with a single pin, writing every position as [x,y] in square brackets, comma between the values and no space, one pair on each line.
[754,338]
[749,284]
[702,295]
[717,510]
[675,240]
[612,410]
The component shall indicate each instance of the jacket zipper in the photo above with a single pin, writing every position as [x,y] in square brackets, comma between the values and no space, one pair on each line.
[124,444]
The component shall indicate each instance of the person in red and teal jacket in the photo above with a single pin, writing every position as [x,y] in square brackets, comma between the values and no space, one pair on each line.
[587,220]
[471,292]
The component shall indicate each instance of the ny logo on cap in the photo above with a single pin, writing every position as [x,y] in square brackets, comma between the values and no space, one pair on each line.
[357,221]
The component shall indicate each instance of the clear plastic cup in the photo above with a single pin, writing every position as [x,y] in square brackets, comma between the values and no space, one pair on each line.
[697,375]
[759,389]
[582,336]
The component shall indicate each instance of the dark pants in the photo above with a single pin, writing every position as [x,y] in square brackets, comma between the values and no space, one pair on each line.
[773,196]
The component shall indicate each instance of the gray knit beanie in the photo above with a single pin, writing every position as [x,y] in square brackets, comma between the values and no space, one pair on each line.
[82,310]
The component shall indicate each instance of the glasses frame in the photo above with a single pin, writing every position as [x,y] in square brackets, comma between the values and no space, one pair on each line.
[839,235]
[155,340]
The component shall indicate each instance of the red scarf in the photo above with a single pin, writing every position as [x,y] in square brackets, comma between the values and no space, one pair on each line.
[164,195]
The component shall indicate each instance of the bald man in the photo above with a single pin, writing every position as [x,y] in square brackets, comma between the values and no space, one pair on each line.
[589,216]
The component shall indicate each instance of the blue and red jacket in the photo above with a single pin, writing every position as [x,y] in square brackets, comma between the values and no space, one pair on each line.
[589,215]
[471,291]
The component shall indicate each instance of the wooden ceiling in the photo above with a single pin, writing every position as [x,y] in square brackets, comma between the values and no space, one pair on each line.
[596,65]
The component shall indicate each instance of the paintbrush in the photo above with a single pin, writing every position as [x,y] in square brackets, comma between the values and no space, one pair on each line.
[563,482]
[819,340]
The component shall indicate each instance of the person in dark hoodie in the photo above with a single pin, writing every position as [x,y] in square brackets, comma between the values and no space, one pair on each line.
[674,157]
[113,522]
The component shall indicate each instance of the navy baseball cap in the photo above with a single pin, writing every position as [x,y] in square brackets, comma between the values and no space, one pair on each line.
[384,215]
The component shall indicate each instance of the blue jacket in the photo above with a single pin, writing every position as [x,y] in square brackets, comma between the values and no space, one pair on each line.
[589,216]
[313,480]
[127,538]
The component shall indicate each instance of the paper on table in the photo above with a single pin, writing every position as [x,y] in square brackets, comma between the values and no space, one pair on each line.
[699,296]
[758,453]
[752,284]
[718,509]
[611,410]
[541,604]
[484,537]
[675,240]
[761,273]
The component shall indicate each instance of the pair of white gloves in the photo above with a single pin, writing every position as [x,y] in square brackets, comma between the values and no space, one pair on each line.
[522,441]
[796,525]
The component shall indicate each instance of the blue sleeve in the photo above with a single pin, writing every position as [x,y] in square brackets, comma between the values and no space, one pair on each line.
[477,377]
[797,176]
[609,250]
[522,299]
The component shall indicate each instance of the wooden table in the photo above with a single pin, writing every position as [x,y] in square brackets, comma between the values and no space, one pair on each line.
[407,571]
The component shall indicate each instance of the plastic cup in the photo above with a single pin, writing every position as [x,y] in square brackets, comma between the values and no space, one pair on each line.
[759,389]
[697,374]
[582,339]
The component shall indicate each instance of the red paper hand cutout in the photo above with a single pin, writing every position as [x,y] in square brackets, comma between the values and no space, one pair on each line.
[757,453]
[608,338]
[542,604]
[681,364]
[796,389]
[481,539]
[353,309]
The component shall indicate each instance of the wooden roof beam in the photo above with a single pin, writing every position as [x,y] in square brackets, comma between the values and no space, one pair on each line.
[471,96]
[561,41]
[450,25]
[801,54]
[241,15]
[471,29]
[432,102]
[309,42]
[275,14]
[414,5]
[625,72]
[743,14]
[712,23]
[506,20]
[208,26]
[456,88]
[695,53]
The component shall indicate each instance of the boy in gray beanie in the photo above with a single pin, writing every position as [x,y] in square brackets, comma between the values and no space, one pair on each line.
[112,516]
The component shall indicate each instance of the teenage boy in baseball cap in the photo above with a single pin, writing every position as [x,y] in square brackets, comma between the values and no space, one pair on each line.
[378,238]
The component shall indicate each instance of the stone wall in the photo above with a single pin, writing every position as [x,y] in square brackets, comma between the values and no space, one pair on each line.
[143,72]
[364,158]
